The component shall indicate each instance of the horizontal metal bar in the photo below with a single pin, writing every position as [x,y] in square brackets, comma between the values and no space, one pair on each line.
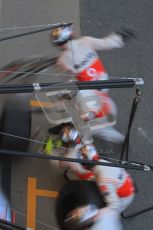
[36,31]
[138,81]
[28,88]
[11,153]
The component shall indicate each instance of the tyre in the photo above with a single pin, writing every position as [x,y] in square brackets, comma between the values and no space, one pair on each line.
[16,120]
[75,194]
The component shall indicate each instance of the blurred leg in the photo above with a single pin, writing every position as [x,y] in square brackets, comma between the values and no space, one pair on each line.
[125,202]
[108,222]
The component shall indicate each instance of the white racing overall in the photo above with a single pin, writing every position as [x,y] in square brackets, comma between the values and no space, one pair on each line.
[80,57]
[100,112]
[115,183]
[94,104]
[116,186]
[118,189]
[76,169]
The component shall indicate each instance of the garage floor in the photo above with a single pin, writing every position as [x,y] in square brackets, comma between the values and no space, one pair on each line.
[27,13]
[98,18]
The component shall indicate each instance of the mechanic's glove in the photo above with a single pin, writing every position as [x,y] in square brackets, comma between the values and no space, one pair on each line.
[126,33]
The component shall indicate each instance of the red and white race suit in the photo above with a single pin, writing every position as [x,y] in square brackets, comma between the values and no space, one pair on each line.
[99,110]
[78,170]
[80,56]
[116,185]
[94,104]
[118,190]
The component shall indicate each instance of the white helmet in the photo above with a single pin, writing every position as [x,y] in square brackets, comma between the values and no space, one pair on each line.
[70,134]
[60,35]
[88,152]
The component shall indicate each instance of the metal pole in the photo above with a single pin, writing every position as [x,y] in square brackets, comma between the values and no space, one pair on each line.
[36,31]
[134,166]
[28,88]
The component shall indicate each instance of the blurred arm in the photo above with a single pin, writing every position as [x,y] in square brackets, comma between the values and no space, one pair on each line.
[110,42]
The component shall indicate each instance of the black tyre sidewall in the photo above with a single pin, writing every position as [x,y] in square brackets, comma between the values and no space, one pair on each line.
[76,194]
[16,120]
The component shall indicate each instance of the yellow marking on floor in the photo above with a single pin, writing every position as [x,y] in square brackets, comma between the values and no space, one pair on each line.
[46,193]
[32,194]
[31,203]
[35,103]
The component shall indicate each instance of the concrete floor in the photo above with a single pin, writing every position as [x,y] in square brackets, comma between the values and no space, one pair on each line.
[27,13]
[96,18]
